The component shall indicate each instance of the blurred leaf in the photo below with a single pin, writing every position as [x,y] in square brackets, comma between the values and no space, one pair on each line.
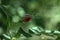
[5,2]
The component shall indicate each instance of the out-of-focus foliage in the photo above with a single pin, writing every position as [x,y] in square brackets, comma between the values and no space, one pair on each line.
[45,19]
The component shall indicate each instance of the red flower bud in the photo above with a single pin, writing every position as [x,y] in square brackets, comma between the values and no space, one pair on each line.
[27,18]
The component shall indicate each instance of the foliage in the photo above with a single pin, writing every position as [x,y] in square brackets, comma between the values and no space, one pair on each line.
[39,13]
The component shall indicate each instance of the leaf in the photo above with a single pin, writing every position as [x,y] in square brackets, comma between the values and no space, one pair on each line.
[24,33]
